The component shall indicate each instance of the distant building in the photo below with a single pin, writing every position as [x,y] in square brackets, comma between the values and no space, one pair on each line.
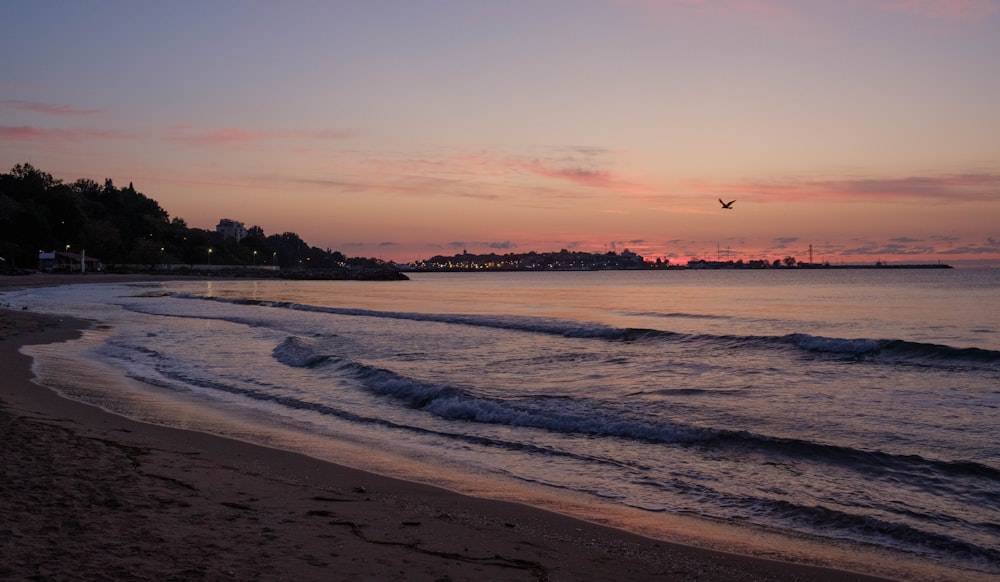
[231,229]
[67,262]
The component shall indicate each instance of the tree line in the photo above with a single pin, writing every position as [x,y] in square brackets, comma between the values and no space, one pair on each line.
[121,226]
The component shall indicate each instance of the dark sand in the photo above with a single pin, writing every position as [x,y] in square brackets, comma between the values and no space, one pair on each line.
[87,495]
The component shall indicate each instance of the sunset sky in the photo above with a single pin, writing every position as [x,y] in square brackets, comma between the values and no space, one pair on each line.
[869,129]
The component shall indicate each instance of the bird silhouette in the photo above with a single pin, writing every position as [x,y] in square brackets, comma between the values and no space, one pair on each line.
[726,205]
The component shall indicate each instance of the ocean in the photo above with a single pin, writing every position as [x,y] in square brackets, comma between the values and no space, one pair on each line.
[852,409]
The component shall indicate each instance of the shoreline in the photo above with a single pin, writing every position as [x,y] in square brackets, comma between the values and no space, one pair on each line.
[198,506]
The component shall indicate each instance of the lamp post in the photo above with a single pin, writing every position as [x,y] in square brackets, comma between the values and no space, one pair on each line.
[274,259]
[209,256]
[255,259]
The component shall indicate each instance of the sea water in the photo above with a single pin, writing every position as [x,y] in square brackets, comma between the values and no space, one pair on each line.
[857,407]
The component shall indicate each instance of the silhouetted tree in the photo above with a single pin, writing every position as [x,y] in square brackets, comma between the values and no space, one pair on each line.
[122,226]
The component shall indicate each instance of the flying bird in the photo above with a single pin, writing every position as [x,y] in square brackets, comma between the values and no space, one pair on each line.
[726,205]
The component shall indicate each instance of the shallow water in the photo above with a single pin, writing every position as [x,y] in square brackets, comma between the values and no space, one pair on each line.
[840,405]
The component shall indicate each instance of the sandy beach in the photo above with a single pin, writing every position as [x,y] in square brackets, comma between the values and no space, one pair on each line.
[87,495]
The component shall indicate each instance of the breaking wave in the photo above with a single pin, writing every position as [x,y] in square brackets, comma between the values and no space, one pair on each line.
[889,350]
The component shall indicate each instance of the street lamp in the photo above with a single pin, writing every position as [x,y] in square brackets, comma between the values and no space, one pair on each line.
[210,256]
[255,258]
[274,259]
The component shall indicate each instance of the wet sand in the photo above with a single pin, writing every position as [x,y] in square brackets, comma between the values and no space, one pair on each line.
[88,495]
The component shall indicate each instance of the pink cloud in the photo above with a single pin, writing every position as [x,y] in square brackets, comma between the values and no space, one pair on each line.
[184,134]
[946,188]
[47,108]
[407,186]
[486,170]
[591,178]
[231,135]
[942,9]
[28,132]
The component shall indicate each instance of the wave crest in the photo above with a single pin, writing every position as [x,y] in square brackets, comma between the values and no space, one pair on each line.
[298,353]
[890,350]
